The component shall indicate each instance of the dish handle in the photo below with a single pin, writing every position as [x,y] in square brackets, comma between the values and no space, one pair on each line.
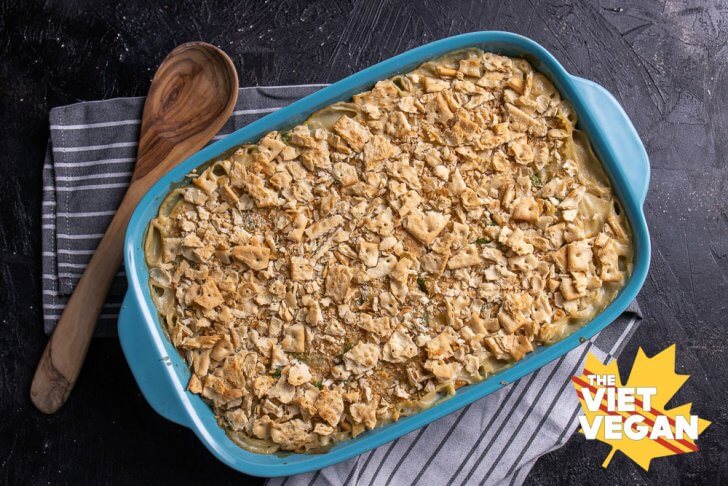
[622,137]
[151,369]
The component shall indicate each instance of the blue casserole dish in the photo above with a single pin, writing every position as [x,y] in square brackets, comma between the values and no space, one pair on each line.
[162,374]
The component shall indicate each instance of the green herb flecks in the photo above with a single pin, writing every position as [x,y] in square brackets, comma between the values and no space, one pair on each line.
[421,284]
[536,180]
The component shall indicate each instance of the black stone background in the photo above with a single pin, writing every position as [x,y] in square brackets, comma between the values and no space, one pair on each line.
[666,62]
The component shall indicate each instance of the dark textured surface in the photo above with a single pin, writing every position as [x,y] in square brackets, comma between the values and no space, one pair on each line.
[666,62]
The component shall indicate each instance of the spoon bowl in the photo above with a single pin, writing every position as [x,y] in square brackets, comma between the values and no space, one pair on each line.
[192,95]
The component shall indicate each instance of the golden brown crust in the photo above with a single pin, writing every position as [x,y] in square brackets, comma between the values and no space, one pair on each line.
[430,232]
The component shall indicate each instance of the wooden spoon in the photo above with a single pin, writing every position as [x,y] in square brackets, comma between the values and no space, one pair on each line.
[193,93]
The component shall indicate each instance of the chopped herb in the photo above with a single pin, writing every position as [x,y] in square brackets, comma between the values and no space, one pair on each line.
[536,180]
[421,284]
[347,347]
[277,372]
[503,383]
[481,241]
[426,318]
[318,384]
[286,136]
[492,223]
[300,356]
[582,340]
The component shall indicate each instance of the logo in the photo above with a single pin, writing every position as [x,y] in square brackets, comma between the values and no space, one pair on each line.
[633,417]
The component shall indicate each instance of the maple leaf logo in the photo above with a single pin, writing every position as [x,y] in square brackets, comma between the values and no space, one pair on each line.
[662,427]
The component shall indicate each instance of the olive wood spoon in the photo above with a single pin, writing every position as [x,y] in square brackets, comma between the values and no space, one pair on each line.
[192,94]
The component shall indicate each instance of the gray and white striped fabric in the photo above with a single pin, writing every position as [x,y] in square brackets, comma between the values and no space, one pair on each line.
[495,440]
[88,166]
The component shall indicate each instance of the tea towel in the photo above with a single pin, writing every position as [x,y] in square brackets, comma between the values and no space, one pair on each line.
[88,166]
[495,440]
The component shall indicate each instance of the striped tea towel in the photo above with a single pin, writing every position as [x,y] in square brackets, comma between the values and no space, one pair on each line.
[494,440]
[88,166]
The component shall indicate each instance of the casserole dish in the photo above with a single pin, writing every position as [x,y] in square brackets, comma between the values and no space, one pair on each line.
[161,372]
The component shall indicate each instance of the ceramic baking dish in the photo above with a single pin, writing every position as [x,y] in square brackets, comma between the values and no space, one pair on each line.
[162,374]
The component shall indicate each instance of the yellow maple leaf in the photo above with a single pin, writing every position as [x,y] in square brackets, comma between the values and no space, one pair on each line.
[657,372]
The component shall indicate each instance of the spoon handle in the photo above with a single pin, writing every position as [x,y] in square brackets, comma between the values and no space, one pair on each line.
[61,362]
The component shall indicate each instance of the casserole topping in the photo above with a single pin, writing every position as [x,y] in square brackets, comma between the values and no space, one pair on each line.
[387,251]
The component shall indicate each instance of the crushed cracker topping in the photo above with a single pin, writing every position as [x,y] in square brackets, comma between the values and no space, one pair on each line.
[387,251]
